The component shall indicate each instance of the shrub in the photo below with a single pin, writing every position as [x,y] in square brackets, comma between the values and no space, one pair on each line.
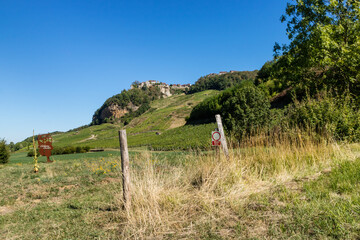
[335,116]
[31,152]
[243,109]
[69,150]
[57,151]
[4,152]
[78,149]
[86,148]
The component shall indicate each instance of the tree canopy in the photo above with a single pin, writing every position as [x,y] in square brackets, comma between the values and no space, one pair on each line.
[324,46]
[223,81]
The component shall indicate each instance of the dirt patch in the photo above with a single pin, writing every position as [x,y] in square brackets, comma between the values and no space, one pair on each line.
[67,187]
[5,210]
[296,184]
[92,137]
[136,121]
[257,229]
[111,180]
[177,122]
[56,200]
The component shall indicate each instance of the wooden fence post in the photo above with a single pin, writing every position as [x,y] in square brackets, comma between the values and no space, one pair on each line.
[223,138]
[125,168]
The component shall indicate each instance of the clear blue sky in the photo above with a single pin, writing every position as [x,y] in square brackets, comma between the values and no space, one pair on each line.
[60,60]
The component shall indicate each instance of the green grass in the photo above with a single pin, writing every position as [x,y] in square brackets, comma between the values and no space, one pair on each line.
[169,157]
[70,198]
[327,207]
[59,202]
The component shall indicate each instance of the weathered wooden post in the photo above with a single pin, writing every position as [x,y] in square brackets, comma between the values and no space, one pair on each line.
[125,168]
[222,133]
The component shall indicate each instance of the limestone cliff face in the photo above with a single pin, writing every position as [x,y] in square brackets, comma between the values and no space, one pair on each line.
[165,90]
[115,111]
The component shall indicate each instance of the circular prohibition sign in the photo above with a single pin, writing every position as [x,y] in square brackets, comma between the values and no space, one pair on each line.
[216,136]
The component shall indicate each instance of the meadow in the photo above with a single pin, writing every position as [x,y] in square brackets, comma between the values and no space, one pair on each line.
[284,191]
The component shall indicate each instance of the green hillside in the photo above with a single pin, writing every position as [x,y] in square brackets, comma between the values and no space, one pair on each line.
[162,127]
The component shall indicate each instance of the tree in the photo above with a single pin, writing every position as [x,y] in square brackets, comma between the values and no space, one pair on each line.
[245,111]
[12,146]
[324,44]
[4,152]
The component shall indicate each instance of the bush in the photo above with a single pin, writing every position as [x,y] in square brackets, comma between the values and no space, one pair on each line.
[4,152]
[31,152]
[86,148]
[57,151]
[335,116]
[243,109]
[78,149]
[69,150]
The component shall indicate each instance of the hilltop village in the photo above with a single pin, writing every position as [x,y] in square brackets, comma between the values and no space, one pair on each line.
[166,89]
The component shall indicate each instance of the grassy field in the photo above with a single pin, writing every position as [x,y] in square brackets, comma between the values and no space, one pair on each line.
[278,192]
[166,117]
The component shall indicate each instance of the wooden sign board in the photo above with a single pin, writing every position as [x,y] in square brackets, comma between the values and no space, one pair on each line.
[45,145]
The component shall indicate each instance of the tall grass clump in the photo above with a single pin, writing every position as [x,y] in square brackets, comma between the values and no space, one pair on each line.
[204,196]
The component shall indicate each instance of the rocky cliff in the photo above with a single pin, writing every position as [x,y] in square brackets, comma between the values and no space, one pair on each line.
[114,111]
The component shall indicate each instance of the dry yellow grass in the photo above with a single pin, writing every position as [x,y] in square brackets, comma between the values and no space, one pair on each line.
[206,194]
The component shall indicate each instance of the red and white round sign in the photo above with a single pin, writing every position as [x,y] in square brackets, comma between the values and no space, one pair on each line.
[215,136]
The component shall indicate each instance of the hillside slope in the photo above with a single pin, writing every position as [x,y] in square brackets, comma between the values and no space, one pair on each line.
[161,127]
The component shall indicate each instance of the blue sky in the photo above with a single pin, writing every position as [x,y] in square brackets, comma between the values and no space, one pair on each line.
[60,60]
